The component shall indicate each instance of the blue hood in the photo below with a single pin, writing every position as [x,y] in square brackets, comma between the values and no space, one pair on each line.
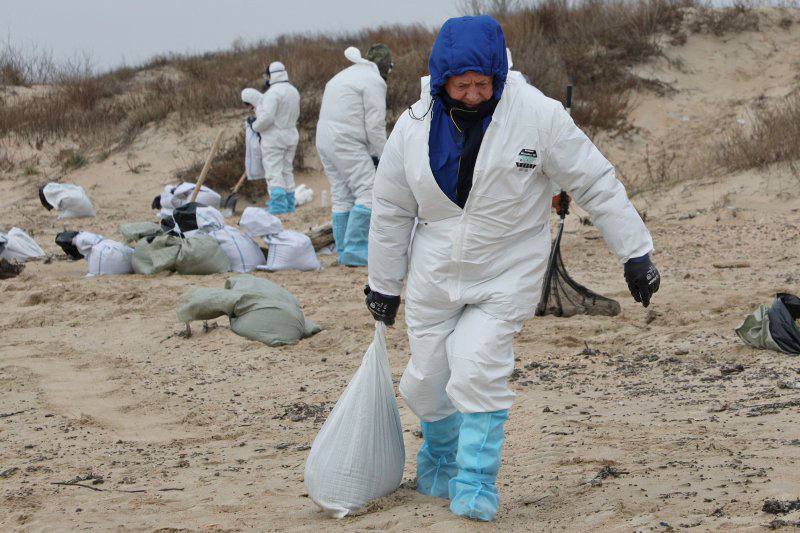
[466,44]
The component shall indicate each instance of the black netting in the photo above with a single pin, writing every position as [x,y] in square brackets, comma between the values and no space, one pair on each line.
[563,296]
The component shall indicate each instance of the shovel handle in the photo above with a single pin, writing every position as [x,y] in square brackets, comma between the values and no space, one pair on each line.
[240,182]
[207,165]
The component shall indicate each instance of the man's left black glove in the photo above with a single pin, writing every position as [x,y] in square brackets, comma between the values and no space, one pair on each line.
[643,279]
[382,307]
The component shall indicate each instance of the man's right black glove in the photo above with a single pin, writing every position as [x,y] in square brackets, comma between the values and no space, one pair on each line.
[643,278]
[382,307]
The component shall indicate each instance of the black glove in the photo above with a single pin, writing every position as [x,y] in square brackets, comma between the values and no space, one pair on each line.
[375,161]
[643,279]
[382,307]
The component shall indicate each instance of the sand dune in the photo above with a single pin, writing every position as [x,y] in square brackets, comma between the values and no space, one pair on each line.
[639,422]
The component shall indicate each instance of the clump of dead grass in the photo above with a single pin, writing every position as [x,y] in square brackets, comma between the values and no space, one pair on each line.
[739,17]
[773,136]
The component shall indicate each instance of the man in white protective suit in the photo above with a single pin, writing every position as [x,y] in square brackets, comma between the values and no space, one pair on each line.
[276,122]
[351,133]
[471,163]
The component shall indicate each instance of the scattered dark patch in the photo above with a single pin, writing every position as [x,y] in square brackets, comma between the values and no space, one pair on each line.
[775,506]
[300,411]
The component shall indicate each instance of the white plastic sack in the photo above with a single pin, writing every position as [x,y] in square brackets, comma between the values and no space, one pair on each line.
[290,250]
[258,222]
[252,154]
[303,194]
[104,257]
[358,455]
[70,200]
[20,246]
[183,193]
[173,197]
[241,249]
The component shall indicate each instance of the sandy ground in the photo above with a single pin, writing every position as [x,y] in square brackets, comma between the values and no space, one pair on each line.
[640,422]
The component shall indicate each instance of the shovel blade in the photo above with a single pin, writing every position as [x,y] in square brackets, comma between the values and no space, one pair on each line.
[229,205]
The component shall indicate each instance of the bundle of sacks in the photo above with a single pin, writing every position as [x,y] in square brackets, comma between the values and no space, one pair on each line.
[196,240]
[286,249]
[104,256]
[16,245]
[175,196]
[70,200]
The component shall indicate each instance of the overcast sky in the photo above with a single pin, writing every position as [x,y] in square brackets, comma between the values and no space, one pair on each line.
[113,32]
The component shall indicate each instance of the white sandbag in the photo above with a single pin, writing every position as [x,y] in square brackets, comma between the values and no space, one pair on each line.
[104,256]
[173,197]
[258,222]
[70,200]
[358,455]
[289,250]
[241,249]
[183,193]
[253,164]
[303,194]
[20,246]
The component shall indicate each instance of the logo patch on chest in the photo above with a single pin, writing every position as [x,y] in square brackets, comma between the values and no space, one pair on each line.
[526,159]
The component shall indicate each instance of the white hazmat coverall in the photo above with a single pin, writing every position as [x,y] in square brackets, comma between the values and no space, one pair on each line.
[351,130]
[276,121]
[475,274]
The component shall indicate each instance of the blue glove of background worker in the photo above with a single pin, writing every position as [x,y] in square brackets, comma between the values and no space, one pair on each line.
[643,278]
[383,308]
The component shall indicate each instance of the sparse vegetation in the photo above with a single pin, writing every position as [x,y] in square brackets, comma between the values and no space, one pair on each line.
[773,136]
[721,20]
[589,43]
[71,159]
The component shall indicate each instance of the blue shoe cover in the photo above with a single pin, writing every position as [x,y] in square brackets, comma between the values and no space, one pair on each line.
[339,228]
[436,460]
[290,202]
[278,201]
[356,237]
[480,442]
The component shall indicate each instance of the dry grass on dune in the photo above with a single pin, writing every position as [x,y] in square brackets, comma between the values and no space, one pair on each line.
[591,43]
[774,137]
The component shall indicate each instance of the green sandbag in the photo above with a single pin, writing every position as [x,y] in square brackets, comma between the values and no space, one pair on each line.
[136,231]
[200,254]
[156,256]
[755,330]
[258,310]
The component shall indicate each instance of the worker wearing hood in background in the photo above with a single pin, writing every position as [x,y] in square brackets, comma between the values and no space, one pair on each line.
[471,162]
[351,133]
[276,122]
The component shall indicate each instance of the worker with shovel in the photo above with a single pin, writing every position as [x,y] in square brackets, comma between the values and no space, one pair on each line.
[276,122]
[471,163]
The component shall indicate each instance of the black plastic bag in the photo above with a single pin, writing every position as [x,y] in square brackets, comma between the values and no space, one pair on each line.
[782,326]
